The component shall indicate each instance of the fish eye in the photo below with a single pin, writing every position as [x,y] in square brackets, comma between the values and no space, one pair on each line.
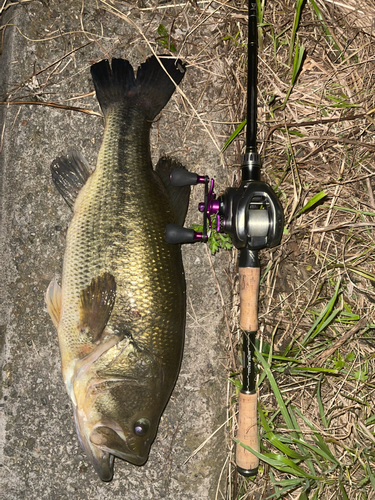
[141,427]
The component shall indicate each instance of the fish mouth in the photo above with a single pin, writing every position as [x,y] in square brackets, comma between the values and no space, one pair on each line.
[115,443]
[105,467]
[101,460]
[105,442]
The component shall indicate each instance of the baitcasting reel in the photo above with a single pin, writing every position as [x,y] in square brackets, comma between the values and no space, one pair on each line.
[250,214]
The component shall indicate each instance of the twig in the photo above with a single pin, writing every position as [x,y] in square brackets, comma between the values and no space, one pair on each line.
[328,352]
[206,441]
[51,105]
[47,67]
[314,122]
[2,137]
[350,181]
[333,227]
[5,7]
[370,193]
[333,138]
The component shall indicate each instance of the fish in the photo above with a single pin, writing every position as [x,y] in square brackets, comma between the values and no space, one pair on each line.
[121,308]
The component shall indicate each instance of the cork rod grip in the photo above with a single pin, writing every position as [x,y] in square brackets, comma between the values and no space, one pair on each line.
[249,294]
[247,432]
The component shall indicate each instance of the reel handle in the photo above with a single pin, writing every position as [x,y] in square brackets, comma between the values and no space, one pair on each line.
[176,234]
[180,177]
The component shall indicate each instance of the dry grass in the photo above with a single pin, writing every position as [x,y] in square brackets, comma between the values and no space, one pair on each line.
[321,141]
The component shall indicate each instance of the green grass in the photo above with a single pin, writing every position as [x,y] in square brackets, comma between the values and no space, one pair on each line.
[297,17]
[164,39]
[216,241]
[316,413]
[301,454]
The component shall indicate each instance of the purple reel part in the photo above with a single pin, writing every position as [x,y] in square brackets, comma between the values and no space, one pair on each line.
[213,206]
[200,237]
[201,179]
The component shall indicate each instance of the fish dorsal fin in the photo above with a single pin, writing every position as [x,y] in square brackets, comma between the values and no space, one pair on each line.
[69,174]
[96,304]
[53,302]
[178,196]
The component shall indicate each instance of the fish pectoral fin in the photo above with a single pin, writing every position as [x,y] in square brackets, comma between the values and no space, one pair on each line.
[96,304]
[53,302]
[69,174]
[178,196]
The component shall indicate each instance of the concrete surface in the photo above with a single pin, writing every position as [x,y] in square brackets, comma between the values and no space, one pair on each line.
[40,456]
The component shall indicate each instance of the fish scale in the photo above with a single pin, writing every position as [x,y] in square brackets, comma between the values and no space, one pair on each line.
[120,313]
[129,251]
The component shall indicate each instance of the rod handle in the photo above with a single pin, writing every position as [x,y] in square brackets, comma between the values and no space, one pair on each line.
[247,462]
[249,295]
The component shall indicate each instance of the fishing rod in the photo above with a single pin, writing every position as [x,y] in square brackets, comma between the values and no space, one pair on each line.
[252,216]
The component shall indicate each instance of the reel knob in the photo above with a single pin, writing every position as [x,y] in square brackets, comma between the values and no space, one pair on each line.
[176,234]
[180,177]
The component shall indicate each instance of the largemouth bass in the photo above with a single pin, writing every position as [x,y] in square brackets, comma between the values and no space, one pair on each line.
[120,311]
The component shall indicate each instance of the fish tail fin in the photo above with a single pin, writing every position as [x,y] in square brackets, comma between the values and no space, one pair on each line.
[154,85]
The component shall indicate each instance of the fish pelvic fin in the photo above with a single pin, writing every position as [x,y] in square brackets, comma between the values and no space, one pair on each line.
[96,304]
[53,302]
[69,174]
[154,85]
[178,196]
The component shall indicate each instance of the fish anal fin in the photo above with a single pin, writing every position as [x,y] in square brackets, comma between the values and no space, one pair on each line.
[69,174]
[53,302]
[96,304]
[178,196]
